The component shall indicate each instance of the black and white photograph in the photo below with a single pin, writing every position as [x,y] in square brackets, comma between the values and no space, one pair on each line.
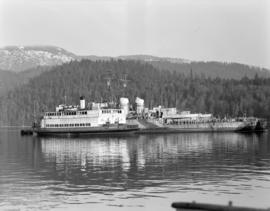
[134,105]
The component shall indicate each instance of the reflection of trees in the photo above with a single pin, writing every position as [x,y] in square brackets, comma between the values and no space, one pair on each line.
[147,160]
[142,166]
[82,152]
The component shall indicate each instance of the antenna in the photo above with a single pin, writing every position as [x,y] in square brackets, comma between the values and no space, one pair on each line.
[35,113]
[109,79]
[34,109]
[124,83]
[124,80]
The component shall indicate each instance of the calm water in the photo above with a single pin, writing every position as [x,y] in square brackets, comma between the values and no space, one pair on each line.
[146,172]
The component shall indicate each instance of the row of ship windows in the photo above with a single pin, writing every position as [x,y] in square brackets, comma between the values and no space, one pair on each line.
[53,114]
[184,122]
[190,122]
[76,113]
[66,113]
[109,111]
[69,125]
[80,113]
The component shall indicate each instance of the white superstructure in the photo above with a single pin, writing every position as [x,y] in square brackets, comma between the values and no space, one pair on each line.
[79,116]
[82,102]
[83,118]
[124,104]
[139,105]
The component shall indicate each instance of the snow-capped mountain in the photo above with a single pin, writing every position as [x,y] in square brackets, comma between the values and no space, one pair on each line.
[19,58]
[18,64]
[149,58]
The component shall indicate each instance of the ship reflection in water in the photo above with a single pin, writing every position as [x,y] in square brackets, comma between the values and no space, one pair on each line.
[135,173]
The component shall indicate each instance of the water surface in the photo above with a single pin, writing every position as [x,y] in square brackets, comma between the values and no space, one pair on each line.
[143,172]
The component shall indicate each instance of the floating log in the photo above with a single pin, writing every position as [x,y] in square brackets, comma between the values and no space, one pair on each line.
[27,132]
[186,206]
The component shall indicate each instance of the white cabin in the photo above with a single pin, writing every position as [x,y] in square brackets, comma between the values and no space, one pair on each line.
[83,118]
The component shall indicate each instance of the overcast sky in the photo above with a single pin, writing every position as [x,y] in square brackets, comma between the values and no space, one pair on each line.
[220,30]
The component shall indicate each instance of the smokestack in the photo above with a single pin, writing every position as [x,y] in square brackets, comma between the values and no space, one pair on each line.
[82,102]
[140,105]
[124,104]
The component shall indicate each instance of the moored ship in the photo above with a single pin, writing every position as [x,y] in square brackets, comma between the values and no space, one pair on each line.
[100,118]
[79,120]
[161,119]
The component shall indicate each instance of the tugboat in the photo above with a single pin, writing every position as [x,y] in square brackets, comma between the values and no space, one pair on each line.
[79,120]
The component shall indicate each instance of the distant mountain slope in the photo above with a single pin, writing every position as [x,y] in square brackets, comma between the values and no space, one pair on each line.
[210,69]
[213,69]
[149,58]
[138,57]
[19,58]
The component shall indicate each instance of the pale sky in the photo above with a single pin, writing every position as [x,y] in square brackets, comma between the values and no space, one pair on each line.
[201,30]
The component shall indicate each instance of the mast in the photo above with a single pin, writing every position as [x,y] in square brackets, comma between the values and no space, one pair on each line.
[120,87]
[109,83]
[110,92]
[35,115]
[124,83]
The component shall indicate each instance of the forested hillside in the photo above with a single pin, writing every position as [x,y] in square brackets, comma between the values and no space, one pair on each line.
[185,91]
[10,80]
[213,69]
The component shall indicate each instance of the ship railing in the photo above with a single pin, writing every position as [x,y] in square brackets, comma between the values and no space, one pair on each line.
[187,121]
[158,122]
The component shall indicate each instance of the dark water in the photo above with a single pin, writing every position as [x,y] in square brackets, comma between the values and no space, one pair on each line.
[146,172]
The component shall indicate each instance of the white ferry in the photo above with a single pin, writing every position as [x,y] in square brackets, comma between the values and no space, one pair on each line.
[78,120]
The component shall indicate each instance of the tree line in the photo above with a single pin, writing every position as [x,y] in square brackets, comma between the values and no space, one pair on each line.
[197,93]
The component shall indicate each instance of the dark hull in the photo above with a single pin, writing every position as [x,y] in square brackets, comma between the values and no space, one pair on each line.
[87,131]
[257,126]
[260,126]
[195,130]
[250,127]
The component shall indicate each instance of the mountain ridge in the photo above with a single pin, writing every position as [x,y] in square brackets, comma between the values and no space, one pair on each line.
[20,58]
[18,64]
